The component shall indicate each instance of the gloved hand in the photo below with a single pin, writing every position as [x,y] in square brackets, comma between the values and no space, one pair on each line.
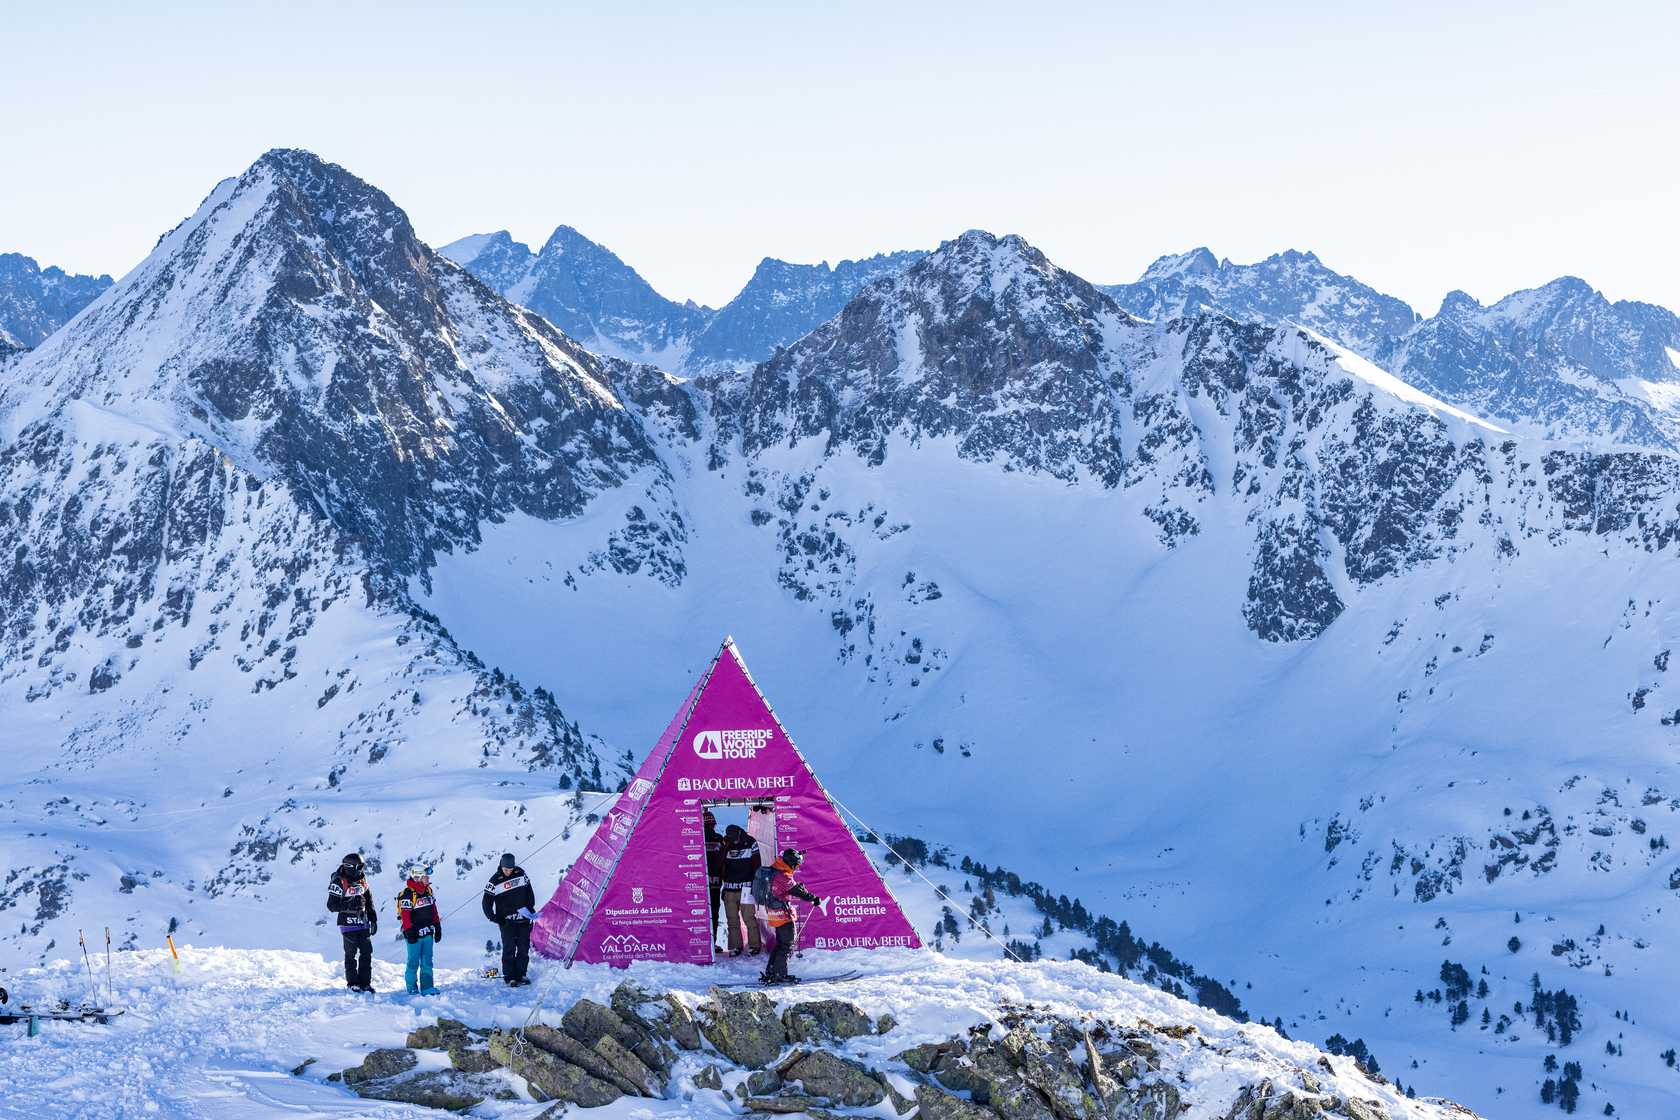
[526,913]
[437,936]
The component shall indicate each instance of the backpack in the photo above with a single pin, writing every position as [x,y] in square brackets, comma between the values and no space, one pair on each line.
[762,895]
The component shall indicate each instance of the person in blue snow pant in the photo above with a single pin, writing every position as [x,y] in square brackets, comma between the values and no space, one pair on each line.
[422,928]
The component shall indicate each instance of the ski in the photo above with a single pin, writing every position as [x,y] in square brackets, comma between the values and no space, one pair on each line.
[803,981]
[11,1015]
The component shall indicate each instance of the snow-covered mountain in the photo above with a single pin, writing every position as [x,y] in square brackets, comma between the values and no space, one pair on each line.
[782,302]
[1054,569]
[36,301]
[214,486]
[1205,623]
[1289,287]
[587,291]
[1560,361]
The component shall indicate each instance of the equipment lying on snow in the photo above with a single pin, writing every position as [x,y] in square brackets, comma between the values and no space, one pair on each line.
[638,890]
[59,1011]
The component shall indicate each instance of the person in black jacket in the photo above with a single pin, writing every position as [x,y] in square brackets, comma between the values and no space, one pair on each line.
[714,869]
[741,862]
[348,897]
[511,904]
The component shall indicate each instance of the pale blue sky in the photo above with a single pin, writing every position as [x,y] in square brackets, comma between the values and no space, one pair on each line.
[1419,147]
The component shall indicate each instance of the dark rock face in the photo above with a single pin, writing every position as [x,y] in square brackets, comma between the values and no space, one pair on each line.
[379,1064]
[984,341]
[935,1104]
[554,1078]
[36,301]
[744,1027]
[838,1079]
[826,1019]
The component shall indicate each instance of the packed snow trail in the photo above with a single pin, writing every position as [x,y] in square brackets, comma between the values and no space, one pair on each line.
[220,1037]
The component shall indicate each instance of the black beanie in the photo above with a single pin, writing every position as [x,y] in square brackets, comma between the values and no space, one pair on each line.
[508,861]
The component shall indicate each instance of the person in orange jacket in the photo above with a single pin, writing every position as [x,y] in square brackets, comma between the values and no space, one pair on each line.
[778,891]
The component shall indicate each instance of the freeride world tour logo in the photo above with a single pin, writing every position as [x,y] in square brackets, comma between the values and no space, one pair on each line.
[715,745]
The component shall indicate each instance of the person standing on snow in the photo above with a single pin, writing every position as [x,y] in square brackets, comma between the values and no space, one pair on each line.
[740,863]
[776,887]
[511,904]
[422,928]
[714,869]
[348,897]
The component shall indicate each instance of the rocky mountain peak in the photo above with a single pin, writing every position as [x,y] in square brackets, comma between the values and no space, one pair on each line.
[296,323]
[496,258]
[36,301]
[1197,262]
[583,288]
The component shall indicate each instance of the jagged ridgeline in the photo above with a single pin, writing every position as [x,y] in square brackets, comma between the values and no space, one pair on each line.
[1559,361]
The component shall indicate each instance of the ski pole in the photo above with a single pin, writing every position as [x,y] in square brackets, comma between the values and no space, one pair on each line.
[110,983]
[169,937]
[93,987]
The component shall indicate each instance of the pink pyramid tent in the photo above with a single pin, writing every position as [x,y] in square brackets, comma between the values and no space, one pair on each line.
[638,890]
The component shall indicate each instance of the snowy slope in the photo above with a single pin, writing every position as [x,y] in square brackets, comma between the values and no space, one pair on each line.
[1193,620]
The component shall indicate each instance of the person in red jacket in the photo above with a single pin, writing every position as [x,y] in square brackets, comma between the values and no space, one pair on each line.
[422,927]
[783,889]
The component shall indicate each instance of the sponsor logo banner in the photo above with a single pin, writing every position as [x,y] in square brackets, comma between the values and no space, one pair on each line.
[889,941]
[625,946]
[763,783]
[742,744]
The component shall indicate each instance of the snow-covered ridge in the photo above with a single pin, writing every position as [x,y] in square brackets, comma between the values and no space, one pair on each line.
[1559,361]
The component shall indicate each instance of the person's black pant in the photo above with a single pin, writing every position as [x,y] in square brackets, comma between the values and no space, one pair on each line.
[777,968]
[716,887]
[516,950]
[358,959]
